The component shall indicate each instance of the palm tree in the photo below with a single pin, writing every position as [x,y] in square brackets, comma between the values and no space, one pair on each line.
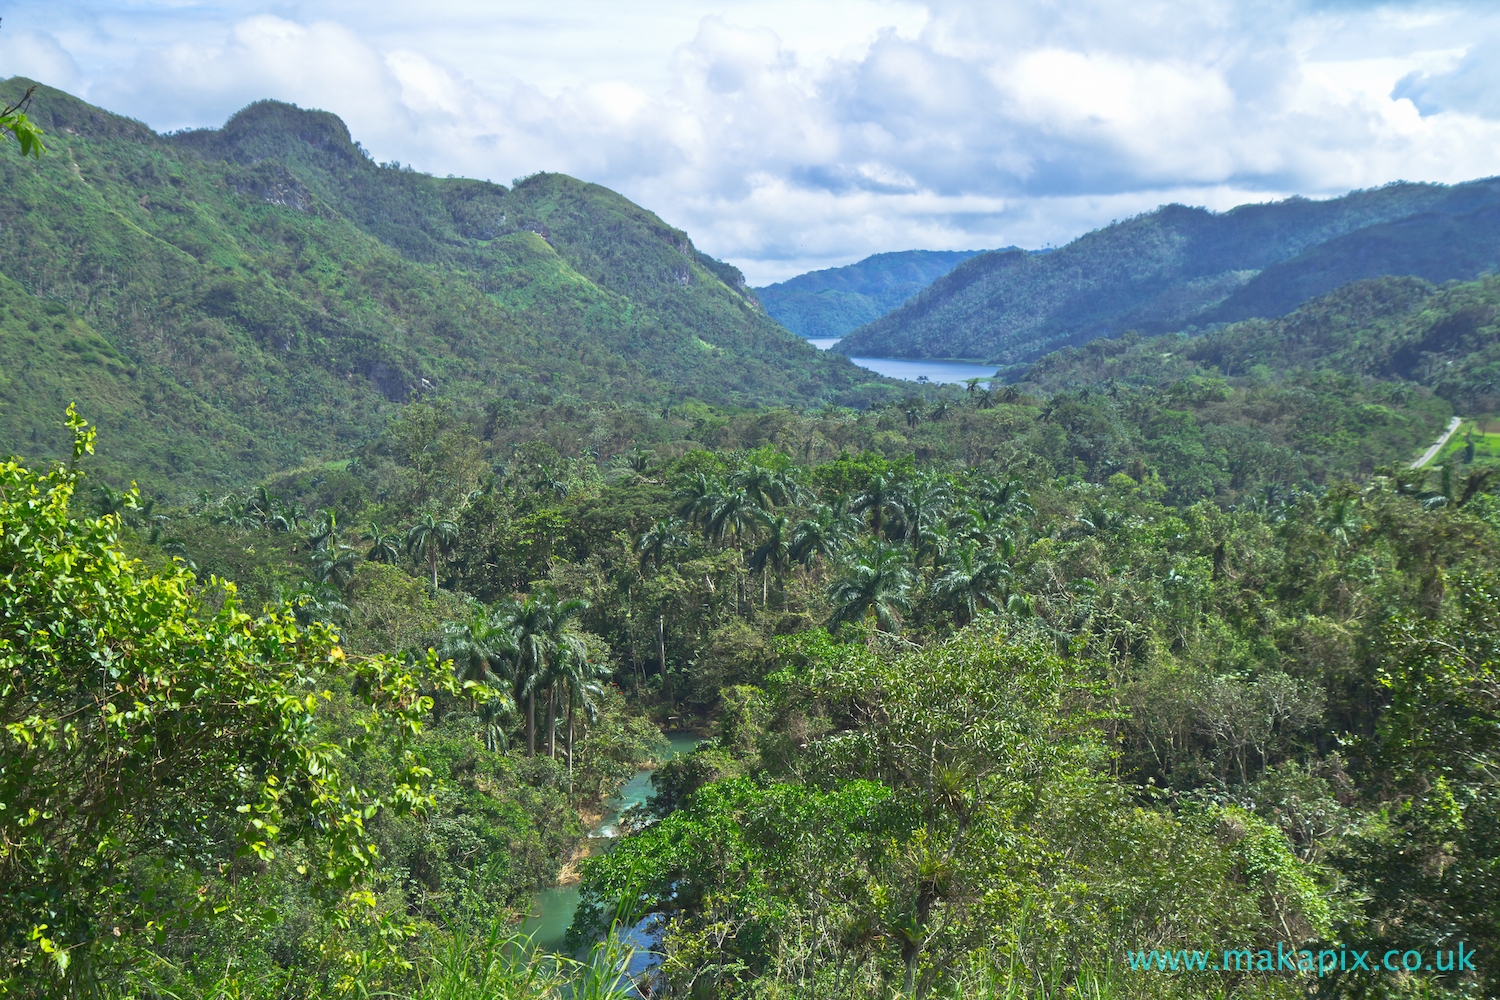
[1340,519]
[315,602]
[734,512]
[972,578]
[639,460]
[829,531]
[659,540]
[926,502]
[538,626]
[385,547]
[261,503]
[1097,519]
[231,513]
[108,501]
[933,541]
[773,554]
[882,495]
[579,678]
[483,650]
[766,487]
[695,498]
[334,564]
[1001,500]
[429,538]
[277,519]
[877,582]
[556,485]
[324,534]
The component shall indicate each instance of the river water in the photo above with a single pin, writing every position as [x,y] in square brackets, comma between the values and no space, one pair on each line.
[913,370]
[552,909]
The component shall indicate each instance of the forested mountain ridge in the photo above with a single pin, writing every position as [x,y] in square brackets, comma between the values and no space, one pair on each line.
[229,302]
[1179,267]
[1435,246]
[1401,330]
[836,300]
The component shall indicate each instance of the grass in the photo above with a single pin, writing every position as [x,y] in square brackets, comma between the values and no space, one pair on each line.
[1481,432]
[491,965]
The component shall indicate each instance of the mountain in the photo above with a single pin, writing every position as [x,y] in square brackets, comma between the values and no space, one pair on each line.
[1397,329]
[1434,246]
[833,302]
[227,302]
[1179,267]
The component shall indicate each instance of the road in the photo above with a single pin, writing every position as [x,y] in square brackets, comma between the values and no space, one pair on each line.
[1431,453]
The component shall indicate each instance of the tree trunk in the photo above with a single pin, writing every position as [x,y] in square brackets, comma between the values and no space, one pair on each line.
[661,649]
[531,723]
[432,559]
[570,744]
[552,722]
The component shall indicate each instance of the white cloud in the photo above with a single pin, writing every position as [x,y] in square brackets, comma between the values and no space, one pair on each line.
[38,55]
[784,135]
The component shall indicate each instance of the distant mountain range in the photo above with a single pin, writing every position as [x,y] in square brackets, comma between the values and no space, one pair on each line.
[835,301]
[1180,268]
[228,302]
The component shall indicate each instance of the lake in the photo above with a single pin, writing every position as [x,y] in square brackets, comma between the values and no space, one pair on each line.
[913,370]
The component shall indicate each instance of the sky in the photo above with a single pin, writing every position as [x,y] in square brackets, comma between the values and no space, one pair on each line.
[788,136]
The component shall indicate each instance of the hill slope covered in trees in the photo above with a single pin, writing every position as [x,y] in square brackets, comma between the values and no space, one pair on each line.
[1398,330]
[1177,268]
[229,302]
[834,301]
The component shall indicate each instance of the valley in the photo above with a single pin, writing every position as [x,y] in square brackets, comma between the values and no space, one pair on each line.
[434,589]
[1185,269]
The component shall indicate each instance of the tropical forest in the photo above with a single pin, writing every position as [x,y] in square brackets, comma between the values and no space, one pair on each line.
[436,589]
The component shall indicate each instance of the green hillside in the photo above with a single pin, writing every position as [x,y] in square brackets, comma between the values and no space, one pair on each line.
[1434,246]
[1173,268]
[1400,329]
[234,301]
[834,301]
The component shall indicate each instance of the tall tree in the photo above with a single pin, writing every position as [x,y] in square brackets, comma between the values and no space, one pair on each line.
[429,538]
[768,488]
[385,546]
[539,626]
[972,578]
[734,512]
[876,583]
[334,565]
[774,553]
[830,530]
[483,650]
[927,503]
[579,679]
[882,500]
[694,497]
[658,541]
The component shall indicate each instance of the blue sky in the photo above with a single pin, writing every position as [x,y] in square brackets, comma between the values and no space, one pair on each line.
[785,136]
